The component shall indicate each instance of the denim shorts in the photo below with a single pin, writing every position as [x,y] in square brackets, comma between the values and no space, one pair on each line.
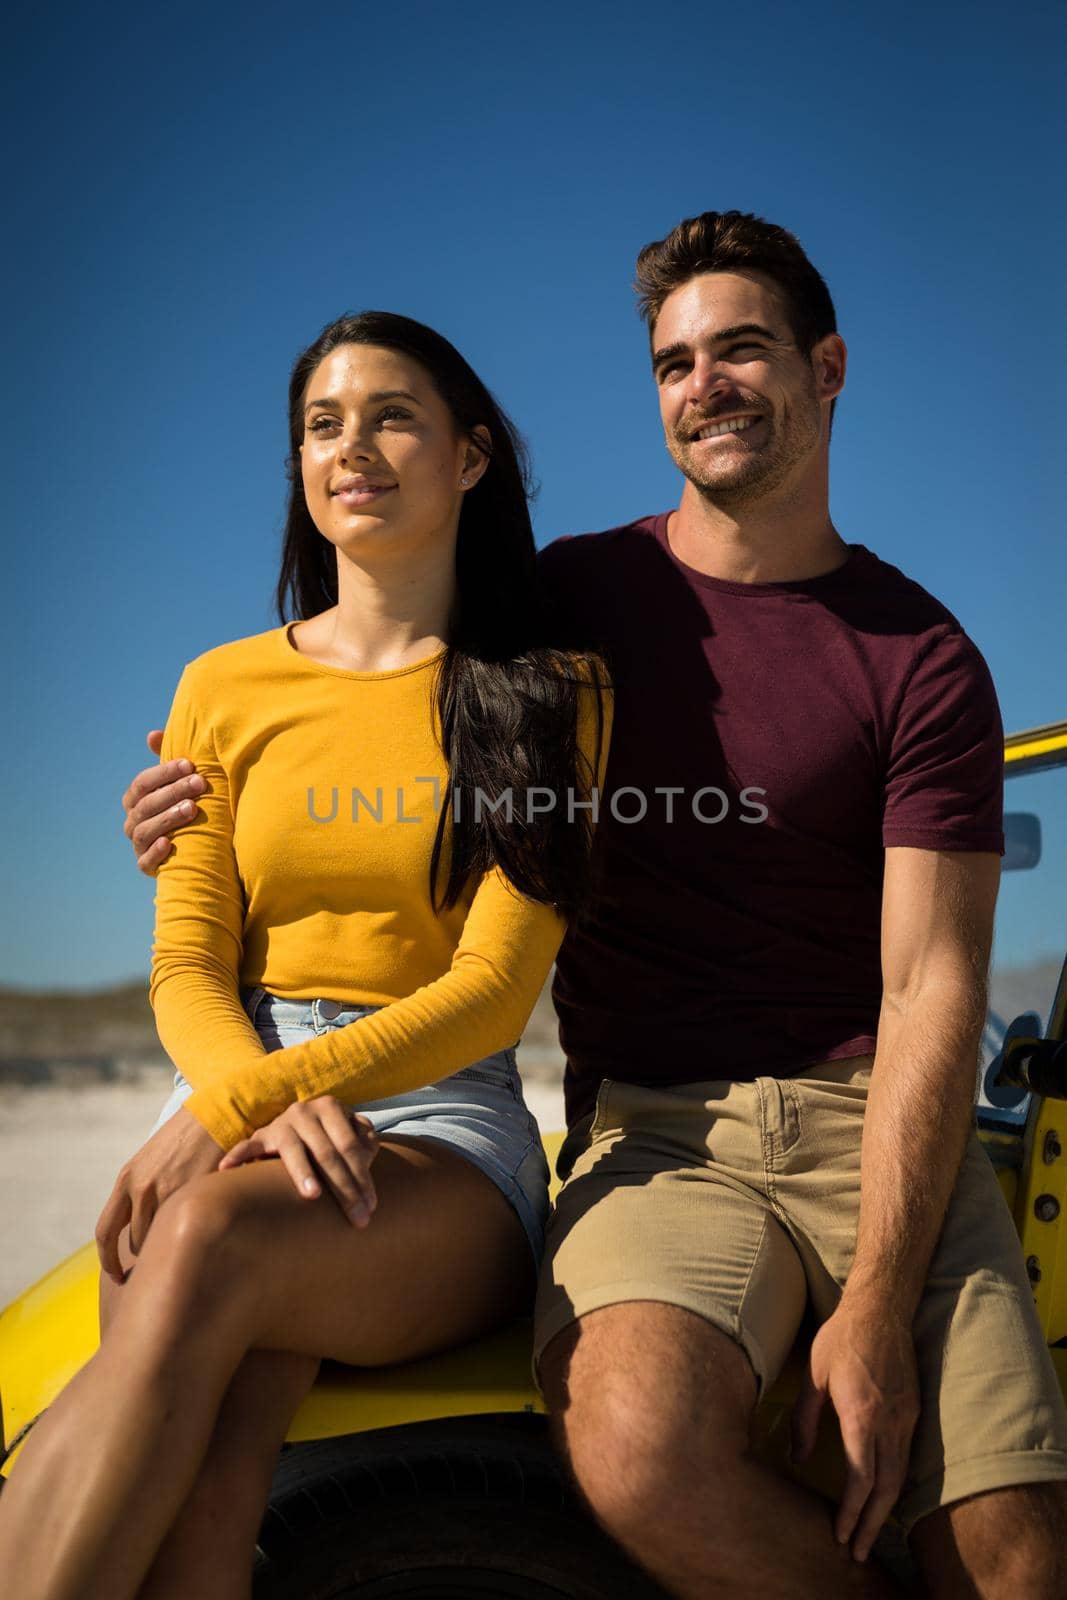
[478,1112]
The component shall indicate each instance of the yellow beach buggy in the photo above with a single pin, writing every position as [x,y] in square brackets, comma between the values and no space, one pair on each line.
[435,1480]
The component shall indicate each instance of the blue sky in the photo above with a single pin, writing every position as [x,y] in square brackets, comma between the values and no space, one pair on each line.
[202,187]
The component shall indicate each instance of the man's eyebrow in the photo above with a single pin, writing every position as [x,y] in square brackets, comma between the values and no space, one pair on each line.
[372,399]
[733,332]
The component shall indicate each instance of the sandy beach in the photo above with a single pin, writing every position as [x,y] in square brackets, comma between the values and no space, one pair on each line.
[61,1147]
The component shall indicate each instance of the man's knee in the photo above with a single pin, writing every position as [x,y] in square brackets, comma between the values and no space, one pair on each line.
[662,1359]
[604,1431]
[647,1403]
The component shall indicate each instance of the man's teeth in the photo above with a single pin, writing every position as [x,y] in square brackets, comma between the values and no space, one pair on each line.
[734,425]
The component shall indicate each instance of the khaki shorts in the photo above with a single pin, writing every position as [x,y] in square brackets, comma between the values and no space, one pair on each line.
[739,1201]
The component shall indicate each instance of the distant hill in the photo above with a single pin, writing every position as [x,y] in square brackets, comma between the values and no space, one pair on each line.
[109,1035]
[64,1035]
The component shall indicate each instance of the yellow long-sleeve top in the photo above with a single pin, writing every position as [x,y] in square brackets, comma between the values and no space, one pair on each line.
[307,872]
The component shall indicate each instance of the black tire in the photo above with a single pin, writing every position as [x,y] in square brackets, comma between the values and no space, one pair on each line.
[472,1508]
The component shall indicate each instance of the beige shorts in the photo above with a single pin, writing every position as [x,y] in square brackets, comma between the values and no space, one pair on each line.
[739,1201]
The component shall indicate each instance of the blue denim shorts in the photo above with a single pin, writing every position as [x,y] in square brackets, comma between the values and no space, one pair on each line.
[479,1111]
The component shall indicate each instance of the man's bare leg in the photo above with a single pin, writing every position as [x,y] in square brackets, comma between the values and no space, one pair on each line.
[997,1546]
[652,1408]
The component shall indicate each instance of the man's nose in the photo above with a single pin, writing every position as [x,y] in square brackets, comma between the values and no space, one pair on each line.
[705,381]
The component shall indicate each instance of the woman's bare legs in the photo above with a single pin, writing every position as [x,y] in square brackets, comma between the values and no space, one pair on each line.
[236,1262]
[209,1549]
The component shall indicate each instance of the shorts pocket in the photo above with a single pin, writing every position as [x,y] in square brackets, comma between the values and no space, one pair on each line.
[780,1115]
[600,1113]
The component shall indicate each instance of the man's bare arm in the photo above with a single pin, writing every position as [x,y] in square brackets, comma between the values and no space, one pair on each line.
[937,930]
[937,923]
[158,802]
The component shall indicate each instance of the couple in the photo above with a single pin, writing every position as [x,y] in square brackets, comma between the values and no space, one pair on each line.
[770,989]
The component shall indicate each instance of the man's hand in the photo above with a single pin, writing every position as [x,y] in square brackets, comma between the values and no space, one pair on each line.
[863,1358]
[319,1136]
[179,1151]
[158,802]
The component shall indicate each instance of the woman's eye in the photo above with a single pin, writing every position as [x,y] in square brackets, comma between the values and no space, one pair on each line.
[390,414]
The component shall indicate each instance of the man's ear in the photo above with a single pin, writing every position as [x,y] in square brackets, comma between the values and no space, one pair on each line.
[829,359]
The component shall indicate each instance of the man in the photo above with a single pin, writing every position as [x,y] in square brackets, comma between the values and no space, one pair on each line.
[772,1015]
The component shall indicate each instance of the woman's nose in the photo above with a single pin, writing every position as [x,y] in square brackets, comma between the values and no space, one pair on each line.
[354,444]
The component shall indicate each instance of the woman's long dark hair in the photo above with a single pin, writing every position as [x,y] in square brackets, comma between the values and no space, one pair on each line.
[507,698]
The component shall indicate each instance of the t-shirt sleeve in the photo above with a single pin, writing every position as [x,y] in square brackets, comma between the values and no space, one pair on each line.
[200,910]
[480,1005]
[944,786]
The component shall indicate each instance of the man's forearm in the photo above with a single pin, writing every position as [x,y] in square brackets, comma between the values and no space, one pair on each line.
[919,1112]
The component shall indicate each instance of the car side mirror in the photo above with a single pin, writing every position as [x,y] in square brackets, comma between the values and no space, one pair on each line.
[1022,841]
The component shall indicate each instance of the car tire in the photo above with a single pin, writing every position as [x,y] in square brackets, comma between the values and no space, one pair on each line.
[469,1509]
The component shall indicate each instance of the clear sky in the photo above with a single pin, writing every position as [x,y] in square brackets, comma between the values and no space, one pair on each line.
[199,188]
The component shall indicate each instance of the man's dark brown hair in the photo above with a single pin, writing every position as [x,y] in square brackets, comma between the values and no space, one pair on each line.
[737,241]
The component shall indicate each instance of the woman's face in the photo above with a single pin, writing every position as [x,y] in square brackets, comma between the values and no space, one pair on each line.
[381,459]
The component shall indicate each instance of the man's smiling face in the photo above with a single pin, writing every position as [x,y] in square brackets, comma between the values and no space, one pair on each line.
[744,409]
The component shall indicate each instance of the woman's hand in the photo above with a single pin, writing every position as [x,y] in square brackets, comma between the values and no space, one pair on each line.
[179,1151]
[322,1134]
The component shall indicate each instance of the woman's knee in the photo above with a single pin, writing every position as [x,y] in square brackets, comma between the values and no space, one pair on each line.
[207,1236]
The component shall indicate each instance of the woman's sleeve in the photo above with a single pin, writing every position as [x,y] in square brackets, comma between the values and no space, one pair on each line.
[200,911]
[481,1004]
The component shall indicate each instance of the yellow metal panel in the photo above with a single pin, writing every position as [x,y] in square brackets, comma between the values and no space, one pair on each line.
[1039,1214]
[45,1336]
[1035,742]
[489,1375]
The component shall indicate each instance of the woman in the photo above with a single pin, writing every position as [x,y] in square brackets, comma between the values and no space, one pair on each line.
[362,916]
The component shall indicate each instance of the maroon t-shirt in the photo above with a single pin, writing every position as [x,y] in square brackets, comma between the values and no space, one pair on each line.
[802,727]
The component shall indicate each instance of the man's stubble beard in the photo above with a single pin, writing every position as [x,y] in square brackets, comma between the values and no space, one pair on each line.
[764,471]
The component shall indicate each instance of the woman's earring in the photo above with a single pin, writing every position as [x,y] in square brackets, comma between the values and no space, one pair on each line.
[463,483]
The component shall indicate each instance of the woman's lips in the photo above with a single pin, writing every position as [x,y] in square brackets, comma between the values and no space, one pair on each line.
[362,496]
